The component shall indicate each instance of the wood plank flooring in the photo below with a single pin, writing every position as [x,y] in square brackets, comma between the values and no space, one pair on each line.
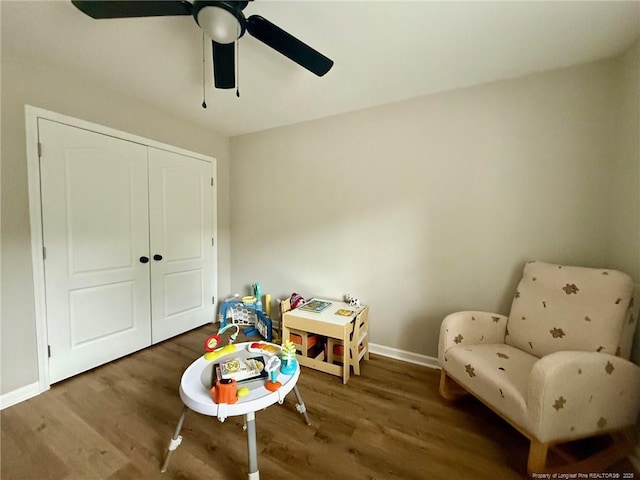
[115,422]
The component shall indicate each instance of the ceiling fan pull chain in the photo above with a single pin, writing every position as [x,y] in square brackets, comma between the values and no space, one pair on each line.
[237,50]
[204,100]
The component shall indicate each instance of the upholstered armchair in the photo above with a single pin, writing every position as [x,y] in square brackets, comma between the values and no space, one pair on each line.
[557,367]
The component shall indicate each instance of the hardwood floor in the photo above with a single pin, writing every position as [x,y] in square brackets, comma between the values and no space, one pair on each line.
[115,422]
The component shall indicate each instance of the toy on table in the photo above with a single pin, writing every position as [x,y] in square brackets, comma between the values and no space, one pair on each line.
[213,351]
[297,300]
[225,391]
[351,300]
[272,369]
[289,362]
[264,348]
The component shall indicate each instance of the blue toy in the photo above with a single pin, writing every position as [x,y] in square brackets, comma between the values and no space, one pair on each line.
[234,312]
[257,292]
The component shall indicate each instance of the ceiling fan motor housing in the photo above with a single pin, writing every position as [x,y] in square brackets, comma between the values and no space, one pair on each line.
[221,21]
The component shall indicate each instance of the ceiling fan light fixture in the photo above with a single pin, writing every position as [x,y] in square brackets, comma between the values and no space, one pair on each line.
[218,23]
[224,22]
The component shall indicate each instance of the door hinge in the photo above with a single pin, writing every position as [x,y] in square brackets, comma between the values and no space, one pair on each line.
[212,181]
[213,299]
[49,350]
[39,149]
[213,241]
[44,253]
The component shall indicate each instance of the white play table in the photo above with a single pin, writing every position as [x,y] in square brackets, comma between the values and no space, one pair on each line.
[195,394]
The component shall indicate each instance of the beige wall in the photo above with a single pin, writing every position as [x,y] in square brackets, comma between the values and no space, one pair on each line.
[429,206]
[419,208]
[26,83]
[625,193]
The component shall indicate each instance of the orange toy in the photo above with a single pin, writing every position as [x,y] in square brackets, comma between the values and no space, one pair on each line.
[225,391]
[272,386]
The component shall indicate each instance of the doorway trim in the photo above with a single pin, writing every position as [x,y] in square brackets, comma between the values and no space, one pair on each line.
[32,114]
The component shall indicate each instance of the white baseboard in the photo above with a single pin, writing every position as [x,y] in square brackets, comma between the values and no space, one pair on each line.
[19,395]
[405,356]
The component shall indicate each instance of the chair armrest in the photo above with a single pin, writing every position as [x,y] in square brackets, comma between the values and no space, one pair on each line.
[575,394]
[470,328]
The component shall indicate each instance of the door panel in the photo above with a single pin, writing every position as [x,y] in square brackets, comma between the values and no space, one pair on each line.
[181,228]
[93,218]
[183,292]
[95,227]
[100,311]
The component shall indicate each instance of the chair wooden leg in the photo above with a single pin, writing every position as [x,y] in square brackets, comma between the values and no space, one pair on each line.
[622,444]
[537,457]
[449,389]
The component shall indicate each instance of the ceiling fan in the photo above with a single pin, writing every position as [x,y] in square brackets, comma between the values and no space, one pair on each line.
[224,23]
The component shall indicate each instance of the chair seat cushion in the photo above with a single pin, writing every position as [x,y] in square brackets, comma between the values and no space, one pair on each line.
[496,373]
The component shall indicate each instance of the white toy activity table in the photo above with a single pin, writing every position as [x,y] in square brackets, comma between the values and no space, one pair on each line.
[195,394]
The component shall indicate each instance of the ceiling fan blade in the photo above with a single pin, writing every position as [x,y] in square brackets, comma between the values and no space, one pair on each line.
[288,45]
[224,74]
[127,9]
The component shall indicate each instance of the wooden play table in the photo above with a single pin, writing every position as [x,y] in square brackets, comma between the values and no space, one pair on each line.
[328,324]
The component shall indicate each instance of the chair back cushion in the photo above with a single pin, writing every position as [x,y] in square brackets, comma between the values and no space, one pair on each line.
[559,308]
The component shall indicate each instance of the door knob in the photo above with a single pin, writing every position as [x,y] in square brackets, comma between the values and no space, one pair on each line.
[157,257]
[144,259]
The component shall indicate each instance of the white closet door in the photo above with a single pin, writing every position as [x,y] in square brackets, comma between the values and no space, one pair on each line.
[95,230]
[182,251]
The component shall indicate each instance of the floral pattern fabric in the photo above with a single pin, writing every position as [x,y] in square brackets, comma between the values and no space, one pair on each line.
[559,308]
[557,366]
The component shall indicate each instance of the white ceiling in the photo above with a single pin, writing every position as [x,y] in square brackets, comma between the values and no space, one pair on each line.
[384,51]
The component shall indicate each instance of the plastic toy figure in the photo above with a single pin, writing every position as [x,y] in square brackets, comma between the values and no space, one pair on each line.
[272,369]
[289,362]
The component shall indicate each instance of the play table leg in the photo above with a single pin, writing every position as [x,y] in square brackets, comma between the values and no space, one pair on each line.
[175,441]
[252,448]
[300,406]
